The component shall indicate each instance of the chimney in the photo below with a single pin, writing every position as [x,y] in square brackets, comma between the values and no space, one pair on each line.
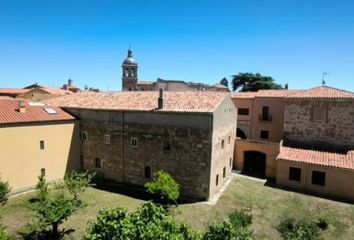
[22,106]
[160,101]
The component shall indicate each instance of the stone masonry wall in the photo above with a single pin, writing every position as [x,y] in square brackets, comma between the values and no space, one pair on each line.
[188,160]
[336,129]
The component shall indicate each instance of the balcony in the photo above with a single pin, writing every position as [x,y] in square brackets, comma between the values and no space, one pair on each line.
[267,117]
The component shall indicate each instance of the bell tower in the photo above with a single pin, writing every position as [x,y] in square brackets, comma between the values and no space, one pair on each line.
[129,72]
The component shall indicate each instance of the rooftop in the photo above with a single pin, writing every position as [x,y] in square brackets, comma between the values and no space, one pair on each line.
[265,93]
[323,92]
[142,101]
[13,90]
[327,159]
[9,112]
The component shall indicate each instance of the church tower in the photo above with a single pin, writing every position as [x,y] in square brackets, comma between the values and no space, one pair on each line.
[129,72]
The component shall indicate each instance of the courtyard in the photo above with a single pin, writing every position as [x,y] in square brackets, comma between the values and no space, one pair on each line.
[269,205]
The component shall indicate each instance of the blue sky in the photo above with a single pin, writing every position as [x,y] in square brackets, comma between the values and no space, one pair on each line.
[293,41]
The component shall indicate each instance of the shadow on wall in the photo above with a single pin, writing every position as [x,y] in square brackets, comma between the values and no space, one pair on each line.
[74,157]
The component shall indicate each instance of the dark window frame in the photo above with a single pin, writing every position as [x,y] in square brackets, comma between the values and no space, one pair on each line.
[224,172]
[41,145]
[243,111]
[147,172]
[217,180]
[98,162]
[262,136]
[295,174]
[318,178]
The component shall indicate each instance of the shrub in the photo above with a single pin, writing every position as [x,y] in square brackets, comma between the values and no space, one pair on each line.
[164,187]
[226,231]
[323,221]
[290,229]
[77,182]
[240,218]
[4,191]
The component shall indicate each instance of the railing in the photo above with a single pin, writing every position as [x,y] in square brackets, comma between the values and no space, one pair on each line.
[265,117]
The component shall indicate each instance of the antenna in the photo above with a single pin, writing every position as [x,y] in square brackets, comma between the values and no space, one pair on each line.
[323,76]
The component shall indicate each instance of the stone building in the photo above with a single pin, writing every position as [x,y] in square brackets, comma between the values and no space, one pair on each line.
[127,136]
[317,154]
[36,139]
[130,81]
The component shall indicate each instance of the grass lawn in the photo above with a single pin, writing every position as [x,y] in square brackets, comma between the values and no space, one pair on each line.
[268,205]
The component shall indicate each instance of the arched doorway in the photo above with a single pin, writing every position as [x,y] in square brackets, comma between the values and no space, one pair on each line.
[254,164]
[241,134]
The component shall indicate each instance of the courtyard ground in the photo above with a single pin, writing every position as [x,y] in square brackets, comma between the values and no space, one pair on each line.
[268,206]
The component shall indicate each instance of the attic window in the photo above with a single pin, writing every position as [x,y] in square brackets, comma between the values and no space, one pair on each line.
[50,110]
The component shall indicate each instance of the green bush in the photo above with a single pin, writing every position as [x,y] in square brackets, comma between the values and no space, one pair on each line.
[77,182]
[149,222]
[291,229]
[241,218]
[323,221]
[4,191]
[226,231]
[3,235]
[164,187]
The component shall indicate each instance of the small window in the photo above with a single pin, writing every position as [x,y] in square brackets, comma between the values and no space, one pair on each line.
[230,162]
[98,162]
[41,145]
[147,172]
[222,144]
[224,172]
[264,134]
[217,180]
[243,111]
[318,178]
[107,139]
[295,174]
[319,114]
[229,139]
[84,136]
[166,147]
[43,172]
[265,113]
[134,142]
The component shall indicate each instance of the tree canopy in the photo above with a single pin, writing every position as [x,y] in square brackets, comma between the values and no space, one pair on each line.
[250,82]
[224,82]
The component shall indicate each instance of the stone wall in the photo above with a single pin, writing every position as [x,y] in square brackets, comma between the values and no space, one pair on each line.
[188,160]
[336,128]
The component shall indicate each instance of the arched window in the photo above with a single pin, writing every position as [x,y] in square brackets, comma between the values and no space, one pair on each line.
[241,134]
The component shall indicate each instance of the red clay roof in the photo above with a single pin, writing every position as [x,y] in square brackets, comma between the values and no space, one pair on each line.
[328,159]
[55,91]
[265,93]
[142,101]
[323,92]
[9,113]
[13,90]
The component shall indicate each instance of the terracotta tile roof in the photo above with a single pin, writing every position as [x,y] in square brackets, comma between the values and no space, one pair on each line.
[265,93]
[142,101]
[13,90]
[323,92]
[328,159]
[9,113]
[55,91]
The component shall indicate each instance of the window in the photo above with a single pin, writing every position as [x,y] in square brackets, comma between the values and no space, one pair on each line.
[264,134]
[224,172]
[222,144]
[319,114]
[166,147]
[134,142]
[229,139]
[107,139]
[43,172]
[265,113]
[84,136]
[318,178]
[230,162]
[41,145]
[243,111]
[295,174]
[98,162]
[147,172]
[217,180]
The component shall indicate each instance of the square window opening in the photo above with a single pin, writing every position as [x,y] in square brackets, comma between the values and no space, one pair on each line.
[295,174]
[318,178]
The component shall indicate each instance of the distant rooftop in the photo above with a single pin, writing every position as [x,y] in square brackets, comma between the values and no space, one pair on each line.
[323,92]
[10,113]
[265,93]
[142,101]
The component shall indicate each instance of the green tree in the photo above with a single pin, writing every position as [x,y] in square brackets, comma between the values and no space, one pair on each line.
[77,183]
[226,231]
[149,222]
[291,229]
[52,208]
[250,82]
[224,82]
[164,187]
